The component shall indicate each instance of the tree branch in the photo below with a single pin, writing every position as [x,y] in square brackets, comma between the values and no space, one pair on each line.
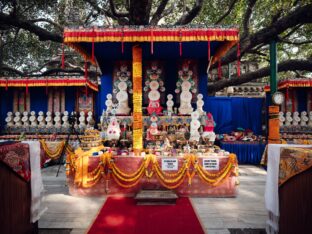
[292,31]
[300,15]
[114,12]
[94,4]
[289,65]
[231,7]
[43,34]
[158,13]
[190,15]
[246,19]
[5,67]
[48,21]
[296,42]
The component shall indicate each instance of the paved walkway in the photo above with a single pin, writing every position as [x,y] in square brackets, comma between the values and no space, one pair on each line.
[218,215]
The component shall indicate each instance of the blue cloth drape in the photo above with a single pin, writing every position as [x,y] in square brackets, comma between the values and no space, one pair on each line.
[246,153]
[234,112]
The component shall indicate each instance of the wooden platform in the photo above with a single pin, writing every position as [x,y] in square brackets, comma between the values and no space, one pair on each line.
[156,197]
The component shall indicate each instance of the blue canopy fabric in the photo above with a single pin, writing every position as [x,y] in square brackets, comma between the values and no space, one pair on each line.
[231,113]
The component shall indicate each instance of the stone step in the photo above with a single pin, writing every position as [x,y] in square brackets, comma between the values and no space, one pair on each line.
[156,197]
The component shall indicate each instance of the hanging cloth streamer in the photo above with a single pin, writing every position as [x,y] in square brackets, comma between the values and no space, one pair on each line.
[208,50]
[152,41]
[26,86]
[92,56]
[86,76]
[122,41]
[6,85]
[286,99]
[238,60]
[180,43]
[63,57]
[219,70]
[46,89]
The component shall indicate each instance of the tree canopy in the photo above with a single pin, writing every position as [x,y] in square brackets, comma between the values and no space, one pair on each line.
[31,30]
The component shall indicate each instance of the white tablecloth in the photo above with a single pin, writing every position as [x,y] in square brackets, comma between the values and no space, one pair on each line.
[37,208]
[271,186]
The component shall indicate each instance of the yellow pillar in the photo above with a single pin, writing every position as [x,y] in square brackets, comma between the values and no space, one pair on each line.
[137,99]
[274,127]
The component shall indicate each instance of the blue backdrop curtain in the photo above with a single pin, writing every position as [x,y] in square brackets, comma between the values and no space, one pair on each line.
[231,113]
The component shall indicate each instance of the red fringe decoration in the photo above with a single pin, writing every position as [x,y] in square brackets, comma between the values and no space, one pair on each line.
[46,89]
[63,57]
[293,109]
[122,42]
[6,85]
[86,76]
[152,42]
[286,99]
[238,60]
[208,50]
[92,52]
[219,70]
[180,45]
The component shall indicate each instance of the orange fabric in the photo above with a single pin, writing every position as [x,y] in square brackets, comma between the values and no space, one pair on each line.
[293,161]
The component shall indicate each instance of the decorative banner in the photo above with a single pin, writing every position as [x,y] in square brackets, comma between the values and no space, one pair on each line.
[137,99]
[169,164]
[211,163]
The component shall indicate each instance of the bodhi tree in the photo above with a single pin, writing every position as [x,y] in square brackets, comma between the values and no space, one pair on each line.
[31,30]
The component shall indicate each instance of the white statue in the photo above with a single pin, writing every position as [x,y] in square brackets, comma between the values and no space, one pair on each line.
[289,119]
[154,85]
[33,119]
[49,120]
[169,104]
[195,125]
[41,120]
[109,103]
[113,129]
[25,119]
[17,120]
[121,87]
[281,118]
[82,120]
[90,120]
[9,119]
[200,104]
[296,119]
[185,86]
[304,118]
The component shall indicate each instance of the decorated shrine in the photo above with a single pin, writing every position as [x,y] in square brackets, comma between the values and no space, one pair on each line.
[295,116]
[153,92]
[154,126]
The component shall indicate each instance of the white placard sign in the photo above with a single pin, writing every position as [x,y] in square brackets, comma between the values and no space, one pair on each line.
[211,163]
[169,164]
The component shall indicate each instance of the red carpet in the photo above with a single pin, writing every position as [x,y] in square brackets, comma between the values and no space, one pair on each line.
[121,215]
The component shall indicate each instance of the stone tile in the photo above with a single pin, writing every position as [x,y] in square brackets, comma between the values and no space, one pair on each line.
[217,231]
[78,231]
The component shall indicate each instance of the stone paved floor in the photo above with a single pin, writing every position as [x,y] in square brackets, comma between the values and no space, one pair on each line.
[242,214]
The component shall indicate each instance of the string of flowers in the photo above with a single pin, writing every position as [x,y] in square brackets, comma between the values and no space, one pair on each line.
[190,168]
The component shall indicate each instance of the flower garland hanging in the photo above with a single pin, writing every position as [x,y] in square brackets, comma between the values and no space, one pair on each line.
[189,169]
[137,99]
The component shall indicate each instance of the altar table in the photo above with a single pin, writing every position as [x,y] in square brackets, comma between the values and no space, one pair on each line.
[129,164]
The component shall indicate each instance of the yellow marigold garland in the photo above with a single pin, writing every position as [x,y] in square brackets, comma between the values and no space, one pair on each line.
[137,99]
[87,179]
[52,154]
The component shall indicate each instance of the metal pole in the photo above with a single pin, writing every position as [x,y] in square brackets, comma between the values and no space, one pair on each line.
[274,128]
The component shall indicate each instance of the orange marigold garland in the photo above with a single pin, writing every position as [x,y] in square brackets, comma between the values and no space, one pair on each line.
[137,99]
